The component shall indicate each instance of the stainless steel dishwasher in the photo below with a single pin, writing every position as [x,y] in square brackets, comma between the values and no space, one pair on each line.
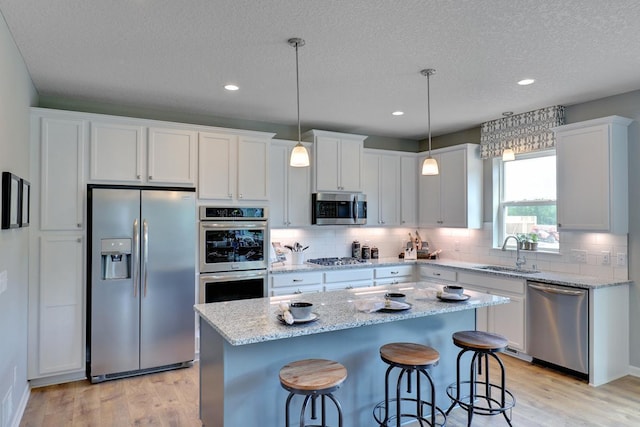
[558,325]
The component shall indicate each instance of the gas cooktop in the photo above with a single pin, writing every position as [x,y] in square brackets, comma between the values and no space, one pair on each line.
[338,261]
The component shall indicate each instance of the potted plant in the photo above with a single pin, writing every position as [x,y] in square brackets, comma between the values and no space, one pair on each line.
[533,241]
[522,238]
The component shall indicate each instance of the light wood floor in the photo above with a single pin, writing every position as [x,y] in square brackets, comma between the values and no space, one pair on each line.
[543,398]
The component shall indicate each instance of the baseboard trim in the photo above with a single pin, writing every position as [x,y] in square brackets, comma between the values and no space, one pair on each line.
[634,371]
[17,416]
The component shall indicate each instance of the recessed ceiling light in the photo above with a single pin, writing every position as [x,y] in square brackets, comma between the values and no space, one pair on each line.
[231,87]
[398,113]
[525,82]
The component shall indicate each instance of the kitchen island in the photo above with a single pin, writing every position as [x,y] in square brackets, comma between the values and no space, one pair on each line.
[243,345]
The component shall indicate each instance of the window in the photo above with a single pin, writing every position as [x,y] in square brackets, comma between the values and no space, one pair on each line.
[527,203]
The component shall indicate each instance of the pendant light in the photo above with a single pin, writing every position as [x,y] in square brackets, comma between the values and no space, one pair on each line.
[508,155]
[430,165]
[299,155]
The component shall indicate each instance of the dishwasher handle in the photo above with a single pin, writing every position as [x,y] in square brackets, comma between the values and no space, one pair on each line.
[559,291]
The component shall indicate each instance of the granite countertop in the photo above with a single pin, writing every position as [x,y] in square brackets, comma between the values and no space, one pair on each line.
[256,320]
[586,282]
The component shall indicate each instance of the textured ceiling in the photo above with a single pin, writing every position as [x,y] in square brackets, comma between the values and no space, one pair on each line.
[361,60]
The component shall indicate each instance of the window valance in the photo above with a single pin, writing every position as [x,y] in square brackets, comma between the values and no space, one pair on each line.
[523,133]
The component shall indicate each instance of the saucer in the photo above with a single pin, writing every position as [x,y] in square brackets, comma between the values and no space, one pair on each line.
[312,318]
[453,297]
[395,306]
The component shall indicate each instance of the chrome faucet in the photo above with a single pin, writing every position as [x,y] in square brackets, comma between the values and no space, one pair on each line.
[519,261]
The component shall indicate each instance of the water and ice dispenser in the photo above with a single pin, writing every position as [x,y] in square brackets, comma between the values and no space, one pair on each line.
[116,258]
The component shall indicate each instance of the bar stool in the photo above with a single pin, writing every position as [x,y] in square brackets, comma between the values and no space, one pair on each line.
[495,399]
[410,358]
[313,378]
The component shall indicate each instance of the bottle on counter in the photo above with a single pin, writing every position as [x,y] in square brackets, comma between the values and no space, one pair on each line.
[374,253]
[366,252]
[355,249]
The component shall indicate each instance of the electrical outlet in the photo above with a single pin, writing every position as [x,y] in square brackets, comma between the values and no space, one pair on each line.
[606,257]
[579,255]
[621,259]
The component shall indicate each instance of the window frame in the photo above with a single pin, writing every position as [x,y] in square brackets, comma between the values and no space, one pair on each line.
[500,206]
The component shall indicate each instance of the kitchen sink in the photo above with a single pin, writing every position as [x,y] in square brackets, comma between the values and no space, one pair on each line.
[504,269]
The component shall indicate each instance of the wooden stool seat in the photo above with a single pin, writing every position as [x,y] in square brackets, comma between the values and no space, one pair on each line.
[409,354]
[312,375]
[479,340]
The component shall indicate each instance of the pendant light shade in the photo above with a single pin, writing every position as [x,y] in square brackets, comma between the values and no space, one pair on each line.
[430,165]
[299,155]
[508,155]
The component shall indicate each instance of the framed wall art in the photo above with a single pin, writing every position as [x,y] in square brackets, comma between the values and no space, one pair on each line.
[25,202]
[10,200]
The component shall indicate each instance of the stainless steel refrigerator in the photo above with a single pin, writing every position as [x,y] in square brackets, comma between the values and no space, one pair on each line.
[142,262]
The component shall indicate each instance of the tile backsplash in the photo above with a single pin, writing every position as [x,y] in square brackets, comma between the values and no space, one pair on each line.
[468,245]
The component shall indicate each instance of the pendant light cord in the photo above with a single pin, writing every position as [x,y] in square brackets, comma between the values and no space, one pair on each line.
[429,109]
[298,92]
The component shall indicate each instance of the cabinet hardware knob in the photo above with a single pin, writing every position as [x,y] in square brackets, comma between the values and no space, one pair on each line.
[239,196]
[297,280]
[150,177]
[394,272]
[79,240]
[436,274]
[137,176]
[79,225]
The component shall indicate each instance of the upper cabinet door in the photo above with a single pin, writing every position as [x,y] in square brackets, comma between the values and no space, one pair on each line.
[217,166]
[337,161]
[454,197]
[290,200]
[327,164]
[253,168]
[172,156]
[117,152]
[592,175]
[408,190]
[233,167]
[62,174]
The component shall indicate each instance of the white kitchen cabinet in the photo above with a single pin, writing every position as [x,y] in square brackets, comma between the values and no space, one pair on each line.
[436,274]
[382,187]
[171,157]
[296,282]
[62,144]
[408,190]
[233,167]
[290,202]
[60,311]
[135,154]
[116,152]
[337,161]
[454,197]
[393,275]
[505,319]
[592,175]
[348,279]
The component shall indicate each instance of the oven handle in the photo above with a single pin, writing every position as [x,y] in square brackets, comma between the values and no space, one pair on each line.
[232,224]
[228,277]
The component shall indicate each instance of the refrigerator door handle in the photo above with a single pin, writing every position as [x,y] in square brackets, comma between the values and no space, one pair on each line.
[145,253]
[136,258]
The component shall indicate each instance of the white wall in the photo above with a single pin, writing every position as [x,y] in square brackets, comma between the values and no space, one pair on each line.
[17,94]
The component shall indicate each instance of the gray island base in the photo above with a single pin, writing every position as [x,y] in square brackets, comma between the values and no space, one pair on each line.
[243,345]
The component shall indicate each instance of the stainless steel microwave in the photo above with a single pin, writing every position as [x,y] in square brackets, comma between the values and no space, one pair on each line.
[339,208]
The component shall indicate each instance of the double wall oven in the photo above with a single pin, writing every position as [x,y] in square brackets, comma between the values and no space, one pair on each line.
[233,253]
